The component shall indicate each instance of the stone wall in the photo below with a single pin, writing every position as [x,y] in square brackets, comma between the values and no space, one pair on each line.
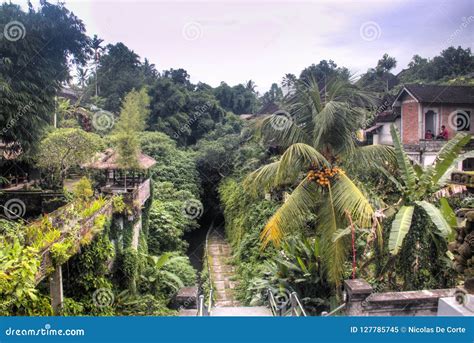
[362,301]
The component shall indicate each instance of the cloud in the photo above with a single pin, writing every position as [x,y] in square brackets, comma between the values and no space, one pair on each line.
[263,40]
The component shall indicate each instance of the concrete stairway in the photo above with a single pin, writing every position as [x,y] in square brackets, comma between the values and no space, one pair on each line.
[222,274]
[222,271]
[241,311]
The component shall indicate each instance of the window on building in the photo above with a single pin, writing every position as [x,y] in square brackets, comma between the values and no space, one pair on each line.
[468,164]
[430,125]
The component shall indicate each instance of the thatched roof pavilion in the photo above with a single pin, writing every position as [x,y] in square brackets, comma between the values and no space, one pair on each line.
[108,160]
[118,178]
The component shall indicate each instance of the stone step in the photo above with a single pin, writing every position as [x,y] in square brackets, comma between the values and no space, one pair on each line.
[227,303]
[241,311]
[187,313]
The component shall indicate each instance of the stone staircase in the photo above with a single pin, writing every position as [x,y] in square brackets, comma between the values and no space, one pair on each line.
[241,311]
[222,275]
[222,272]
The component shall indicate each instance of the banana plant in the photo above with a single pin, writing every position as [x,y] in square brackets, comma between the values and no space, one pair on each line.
[156,272]
[417,186]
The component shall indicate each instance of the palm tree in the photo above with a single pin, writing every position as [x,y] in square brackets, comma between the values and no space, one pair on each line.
[318,135]
[98,49]
[289,80]
[82,76]
[250,85]
[417,186]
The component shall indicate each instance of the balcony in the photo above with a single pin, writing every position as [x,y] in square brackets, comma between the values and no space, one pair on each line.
[432,145]
[134,192]
[463,178]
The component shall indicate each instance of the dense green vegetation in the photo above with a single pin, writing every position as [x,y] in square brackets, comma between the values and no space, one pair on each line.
[291,190]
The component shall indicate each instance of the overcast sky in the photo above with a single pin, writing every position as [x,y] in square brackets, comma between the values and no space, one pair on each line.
[262,40]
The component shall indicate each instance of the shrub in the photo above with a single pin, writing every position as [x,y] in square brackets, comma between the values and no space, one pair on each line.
[83,191]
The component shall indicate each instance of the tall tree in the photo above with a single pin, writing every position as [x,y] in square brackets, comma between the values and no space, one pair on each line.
[380,79]
[133,115]
[33,65]
[450,63]
[179,76]
[250,85]
[96,45]
[119,72]
[239,99]
[323,72]
[274,94]
[319,139]
[385,64]
[63,149]
[289,81]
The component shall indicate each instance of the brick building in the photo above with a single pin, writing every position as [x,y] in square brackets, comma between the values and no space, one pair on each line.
[419,110]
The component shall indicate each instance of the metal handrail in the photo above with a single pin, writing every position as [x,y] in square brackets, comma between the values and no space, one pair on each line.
[273,305]
[296,308]
[337,309]
[296,305]
[202,310]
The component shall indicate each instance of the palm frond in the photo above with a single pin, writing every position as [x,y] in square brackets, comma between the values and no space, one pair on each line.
[272,130]
[372,155]
[262,179]
[300,156]
[292,214]
[348,197]
[400,227]
[334,127]
[297,158]
[333,253]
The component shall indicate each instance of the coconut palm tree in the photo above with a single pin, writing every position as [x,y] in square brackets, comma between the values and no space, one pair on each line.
[418,186]
[318,132]
[288,81]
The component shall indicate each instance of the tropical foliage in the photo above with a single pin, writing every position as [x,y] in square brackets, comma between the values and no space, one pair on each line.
[296,190]
[417,186]
[319,135]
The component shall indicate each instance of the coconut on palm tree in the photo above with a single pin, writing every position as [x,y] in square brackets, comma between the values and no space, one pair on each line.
[318,131]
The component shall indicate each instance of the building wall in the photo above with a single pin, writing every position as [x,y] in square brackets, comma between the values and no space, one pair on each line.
[410,120]
[447,115]
[413,119]
[384,136]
